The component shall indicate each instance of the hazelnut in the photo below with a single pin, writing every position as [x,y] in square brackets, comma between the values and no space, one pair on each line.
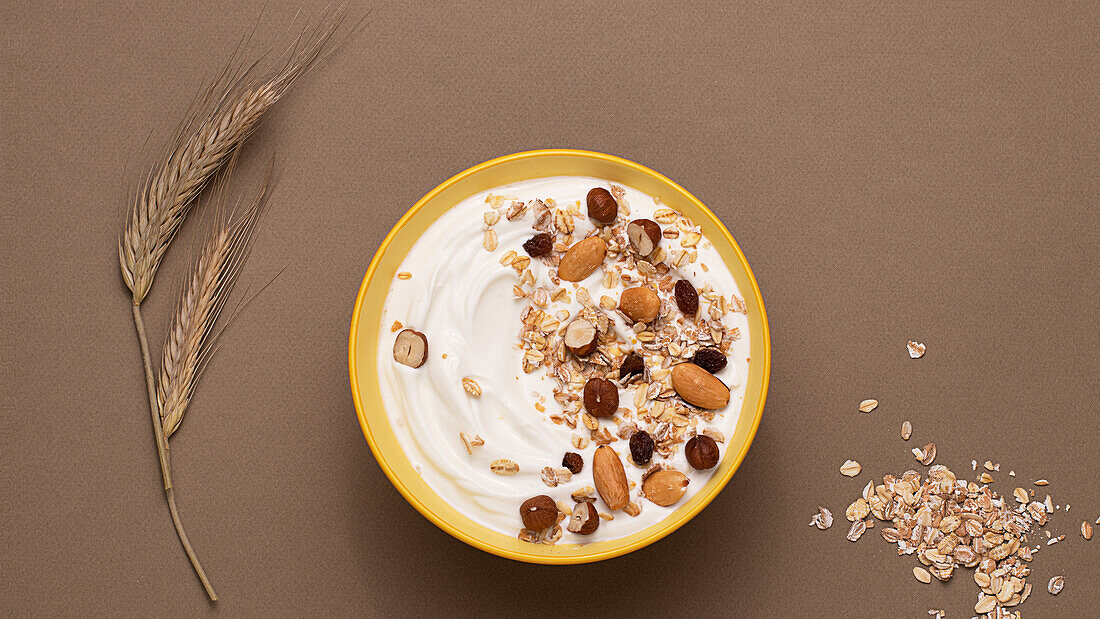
[573,461]
[640,304]
[641,447]
[702,452]
[580,337]
[585,519]
[410,348]
[539,512]
[601,397]
[602,206]
[632,365]
[687,299]
[644,235]
[710,359]
[539,245]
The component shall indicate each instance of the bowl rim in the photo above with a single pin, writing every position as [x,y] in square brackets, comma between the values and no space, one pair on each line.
[457,532]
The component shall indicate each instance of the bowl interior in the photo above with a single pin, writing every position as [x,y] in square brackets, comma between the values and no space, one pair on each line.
[365,330]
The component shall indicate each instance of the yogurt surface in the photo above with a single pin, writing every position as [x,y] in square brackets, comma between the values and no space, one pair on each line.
[460,295]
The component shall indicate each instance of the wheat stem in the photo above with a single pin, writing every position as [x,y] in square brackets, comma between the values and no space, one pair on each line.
[163,453]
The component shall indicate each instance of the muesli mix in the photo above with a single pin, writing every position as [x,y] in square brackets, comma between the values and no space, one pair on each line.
[656,344]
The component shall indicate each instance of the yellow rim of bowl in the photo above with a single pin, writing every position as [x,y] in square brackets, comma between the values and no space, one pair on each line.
[670,524]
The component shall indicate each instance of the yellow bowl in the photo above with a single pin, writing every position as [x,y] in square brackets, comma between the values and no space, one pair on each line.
[365,328]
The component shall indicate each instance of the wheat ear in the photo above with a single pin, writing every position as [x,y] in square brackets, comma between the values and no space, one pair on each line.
[191,337]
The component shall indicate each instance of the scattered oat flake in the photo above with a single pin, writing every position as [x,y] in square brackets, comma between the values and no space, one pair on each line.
[1086,529]
[985,478]
[823,519]
[1041,482]
[906,430]
[973,465]
[937,613]
[404,275]
[1056,584]
[504,467]
[396,326]
[916,349]
[857,530]
[850,468]
[922,575]
[471,386]
[988,465]
[867,406]
[1012,473]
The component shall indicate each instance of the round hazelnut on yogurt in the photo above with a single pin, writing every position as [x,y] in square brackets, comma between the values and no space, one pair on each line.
[601,397]
[539,512]
[585,519]
[702,452]
[410,348]
[602,206]
[640,304]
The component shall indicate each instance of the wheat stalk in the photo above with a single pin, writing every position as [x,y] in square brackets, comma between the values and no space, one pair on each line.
[191,337]
[220,119]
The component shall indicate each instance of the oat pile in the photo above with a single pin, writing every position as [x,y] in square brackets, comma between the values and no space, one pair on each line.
[950,524]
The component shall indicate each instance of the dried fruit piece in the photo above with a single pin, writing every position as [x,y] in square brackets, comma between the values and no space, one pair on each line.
[632,365]
[641,447]
[573,461]
[664,486]
[867,406]
[410,348]
[640,304]
[585,519]
[539,512]
[906,430]
[471,386]
[582,259]
[644,235]
[602,205]
[539,245]
[609,478]
[687,298]
[504,466]
[850,468]
[916,349]
[601,397]
[710,359]
[699,387]
[580,337]
[701,452]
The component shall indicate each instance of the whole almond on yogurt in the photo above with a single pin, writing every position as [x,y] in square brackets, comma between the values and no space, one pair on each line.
[585,519]
[580,337]
[609,477]
[665,486]
[644,235]
[410,348]
[582,259]
[699,387]
[640,304]
[601,397]
[602,205]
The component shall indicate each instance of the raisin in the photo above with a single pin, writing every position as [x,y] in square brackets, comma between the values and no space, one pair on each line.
[641,447]
[687,299]
[710,359]
[573,461]
[539,245]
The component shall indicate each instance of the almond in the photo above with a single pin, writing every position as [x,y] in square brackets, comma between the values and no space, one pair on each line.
[602,205]
[610,478]
[580,337]
[665,487]
[644,235]
[582,259]
[410,348]
[640,304]
[699,387]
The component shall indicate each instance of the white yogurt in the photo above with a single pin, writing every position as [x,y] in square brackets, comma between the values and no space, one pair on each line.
[460,297]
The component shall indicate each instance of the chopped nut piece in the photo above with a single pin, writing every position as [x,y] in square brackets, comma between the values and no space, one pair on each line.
[867,406]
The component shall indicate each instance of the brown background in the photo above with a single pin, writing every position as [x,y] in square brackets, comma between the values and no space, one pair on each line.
[891,172]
